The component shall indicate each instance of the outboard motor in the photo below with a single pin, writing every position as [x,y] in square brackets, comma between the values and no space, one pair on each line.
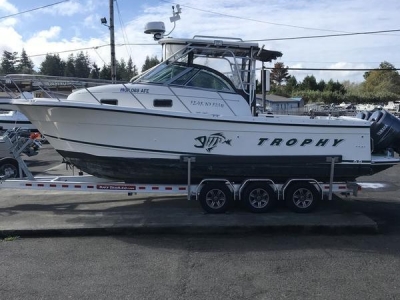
[385,131]
[364,115]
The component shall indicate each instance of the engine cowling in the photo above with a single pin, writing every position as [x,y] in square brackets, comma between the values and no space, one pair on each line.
[385,130]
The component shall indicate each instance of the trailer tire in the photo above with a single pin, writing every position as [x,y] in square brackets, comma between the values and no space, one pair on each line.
[259,197]
[9,166]
[215,197]
[302,197]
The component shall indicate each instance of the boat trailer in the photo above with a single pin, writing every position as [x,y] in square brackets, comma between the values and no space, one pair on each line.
[215,195]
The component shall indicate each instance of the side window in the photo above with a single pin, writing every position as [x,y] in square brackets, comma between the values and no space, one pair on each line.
[162,103]
[166,74]
[185,77]
[109,101]
[208,80]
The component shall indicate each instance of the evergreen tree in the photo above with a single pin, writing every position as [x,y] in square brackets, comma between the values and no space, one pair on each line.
[321,85]
[121,70]
[105,72]
[291,85]
[332,86]
[150,62]
[52,65]
[82,65]
[8,62]
[309,83]
[279,73]
[25,65]
[154,61]
[131,70]
[95,72]
[70,66]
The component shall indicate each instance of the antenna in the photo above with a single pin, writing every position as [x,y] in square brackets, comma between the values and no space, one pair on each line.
[158,28]
[176,15]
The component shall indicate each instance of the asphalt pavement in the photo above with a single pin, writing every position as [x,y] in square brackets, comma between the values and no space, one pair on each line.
[55,213]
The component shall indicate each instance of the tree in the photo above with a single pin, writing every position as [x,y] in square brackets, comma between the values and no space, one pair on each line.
[52,65]
[321,85]
[105,72]
[82,65]
[332,86]
[8,62]
[352,87]
[131,70]
[25,65]
[279,73]
[382,66]
[150,62]
[291,84]
[70,66]
[384,79]
[121,70]
[95,72]
[309,83]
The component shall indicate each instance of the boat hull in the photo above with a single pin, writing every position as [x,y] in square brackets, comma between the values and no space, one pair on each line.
[234,169]
[145,146]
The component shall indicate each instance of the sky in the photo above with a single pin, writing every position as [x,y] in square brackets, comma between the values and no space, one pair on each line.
[67,27]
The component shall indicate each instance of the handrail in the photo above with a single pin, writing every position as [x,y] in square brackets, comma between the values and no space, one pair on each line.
[218,37]
[44,83]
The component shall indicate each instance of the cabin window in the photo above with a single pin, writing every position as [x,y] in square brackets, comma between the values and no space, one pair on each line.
[184,74]
[166,74]
[208,80]
[109,101]
[185,77]
[162,103]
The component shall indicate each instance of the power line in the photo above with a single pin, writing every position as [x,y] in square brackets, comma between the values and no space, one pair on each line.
[94,49]
[90,48]
[257,40]
[258,21]
[124,35]
[66,51]
[335,69]
[335,62]
[155,44]
[323,36]
[33,9]
[250,19]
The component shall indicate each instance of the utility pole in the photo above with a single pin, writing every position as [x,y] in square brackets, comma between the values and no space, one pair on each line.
[112,44]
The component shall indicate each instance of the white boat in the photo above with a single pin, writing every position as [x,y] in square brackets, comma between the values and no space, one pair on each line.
[11,119]
[40,86]
[198,103]
[367,107]
[392,106]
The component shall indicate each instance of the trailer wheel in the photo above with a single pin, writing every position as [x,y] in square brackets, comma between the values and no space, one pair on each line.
[9,168]
[259,197]
[215,197]
[302,197]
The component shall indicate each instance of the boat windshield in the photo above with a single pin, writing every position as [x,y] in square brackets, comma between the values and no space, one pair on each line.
[161,74]
[182,74]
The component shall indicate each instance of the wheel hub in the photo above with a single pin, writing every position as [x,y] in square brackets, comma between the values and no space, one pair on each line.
[259,198]
[303,198]
[215,199]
